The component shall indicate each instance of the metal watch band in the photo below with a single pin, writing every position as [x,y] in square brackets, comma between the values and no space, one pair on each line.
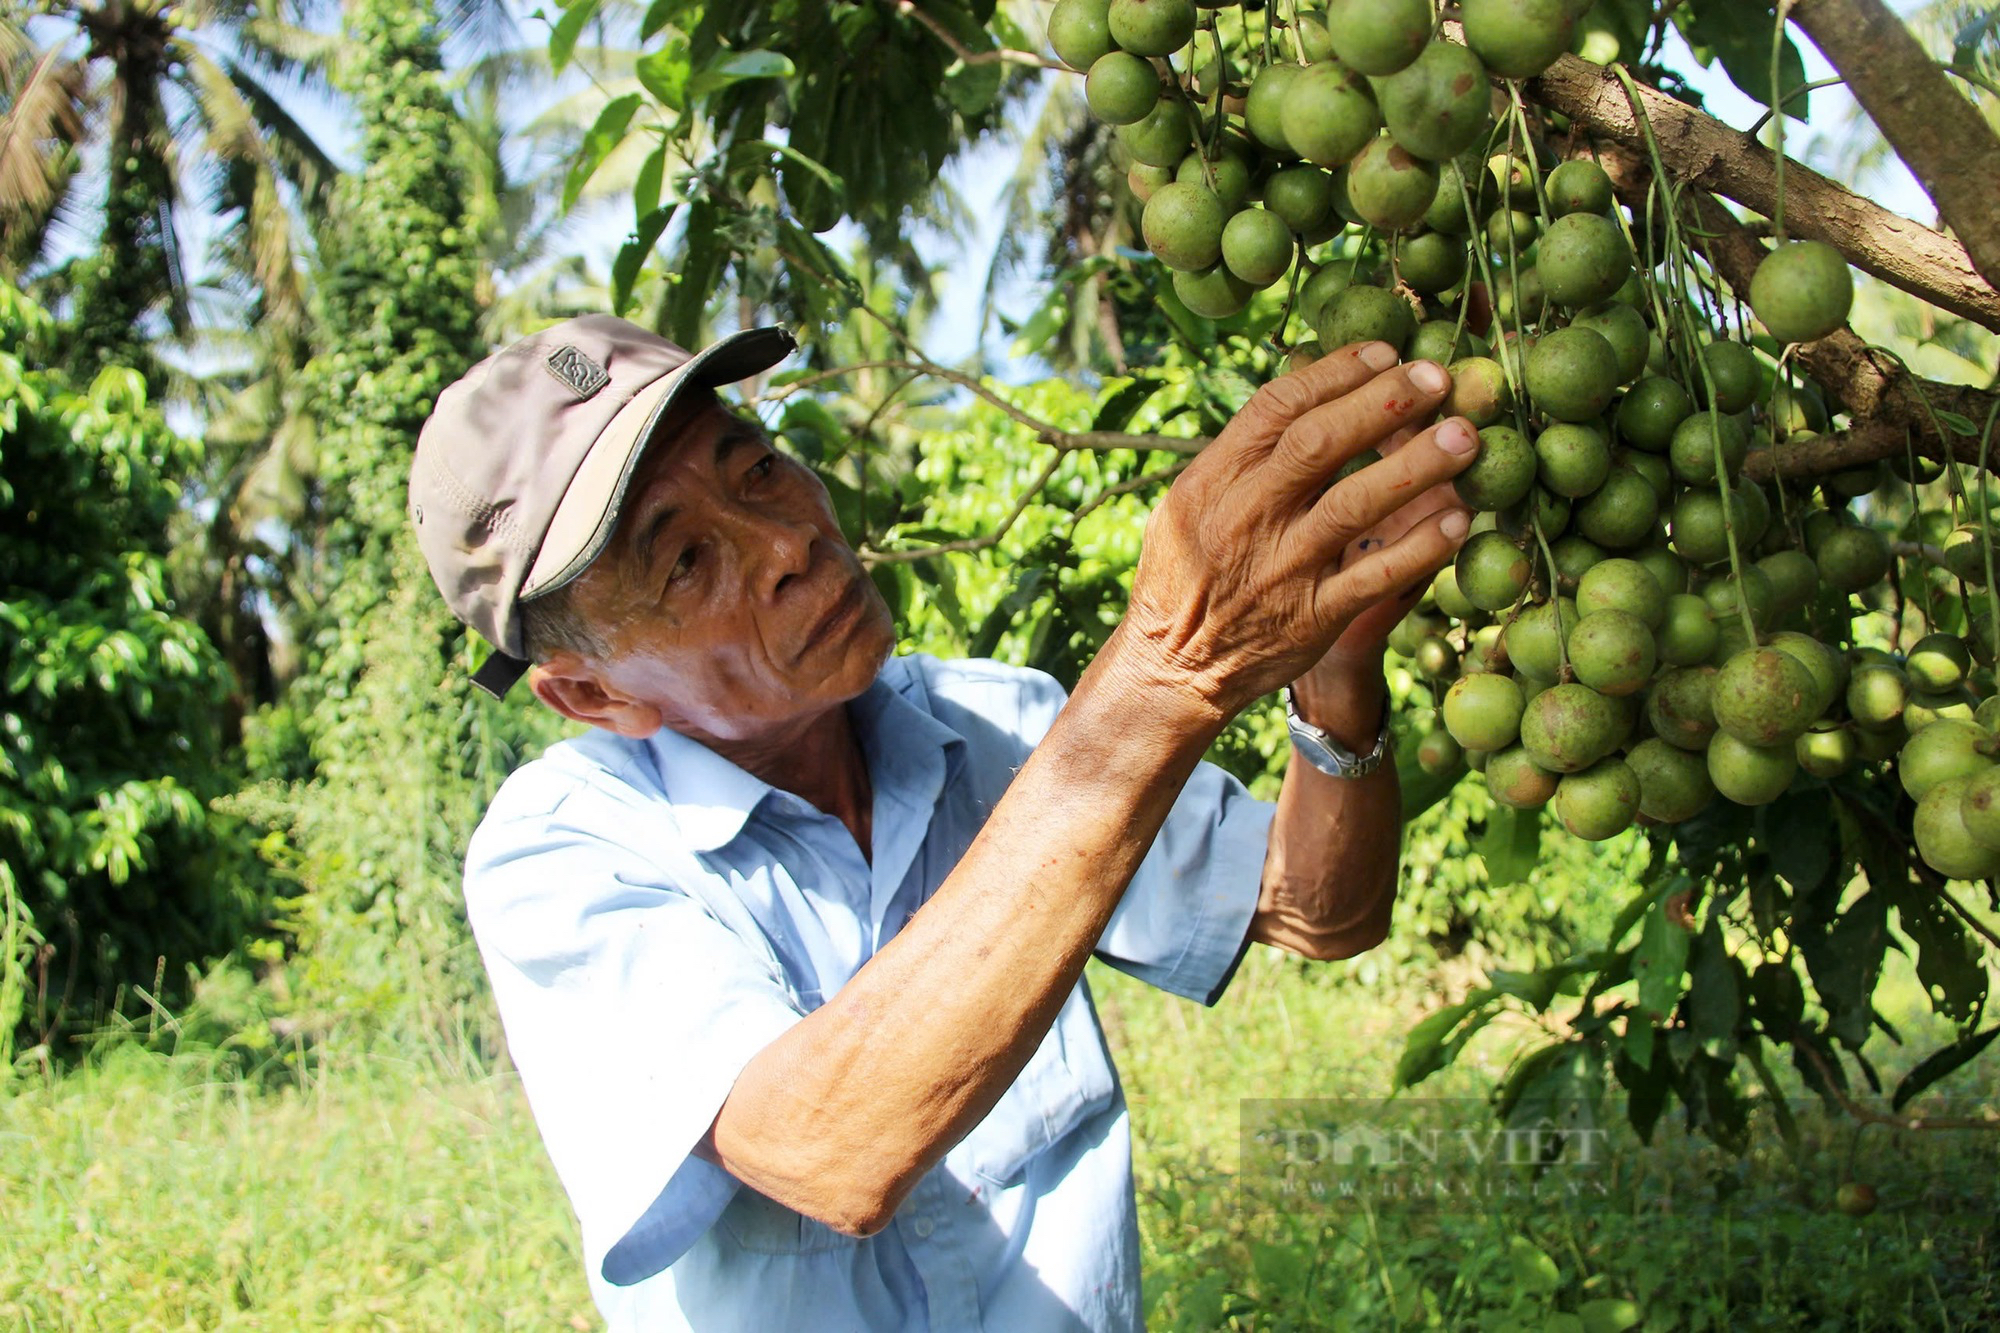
[1328,755]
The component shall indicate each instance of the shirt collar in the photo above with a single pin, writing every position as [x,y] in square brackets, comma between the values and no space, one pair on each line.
[712,798]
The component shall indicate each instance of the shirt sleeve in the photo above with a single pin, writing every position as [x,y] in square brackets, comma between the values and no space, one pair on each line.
[1184,922]
[629,1009]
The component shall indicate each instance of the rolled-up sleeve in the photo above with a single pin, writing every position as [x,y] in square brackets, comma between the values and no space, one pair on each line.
[1184,922]
[630,1009]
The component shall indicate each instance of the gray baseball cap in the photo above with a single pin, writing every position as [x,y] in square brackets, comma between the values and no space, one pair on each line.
[523,463]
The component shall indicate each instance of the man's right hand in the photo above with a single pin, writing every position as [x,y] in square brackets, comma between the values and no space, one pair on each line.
[1240,586]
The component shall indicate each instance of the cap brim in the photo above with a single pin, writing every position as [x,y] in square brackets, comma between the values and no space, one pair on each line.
[588,512]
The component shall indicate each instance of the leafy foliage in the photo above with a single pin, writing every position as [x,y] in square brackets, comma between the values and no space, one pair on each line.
[111,860]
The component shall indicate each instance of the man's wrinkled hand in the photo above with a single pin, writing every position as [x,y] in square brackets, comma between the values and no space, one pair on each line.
[1254,564]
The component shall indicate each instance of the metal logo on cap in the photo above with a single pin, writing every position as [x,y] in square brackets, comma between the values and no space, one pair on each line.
[582,375]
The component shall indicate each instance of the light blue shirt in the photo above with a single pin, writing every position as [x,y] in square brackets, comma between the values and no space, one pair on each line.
[651,916]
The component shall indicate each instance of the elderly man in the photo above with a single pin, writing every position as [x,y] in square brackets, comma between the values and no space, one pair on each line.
[789,943]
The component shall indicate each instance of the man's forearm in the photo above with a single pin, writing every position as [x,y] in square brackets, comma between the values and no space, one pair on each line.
[843,1114]
[1330,873]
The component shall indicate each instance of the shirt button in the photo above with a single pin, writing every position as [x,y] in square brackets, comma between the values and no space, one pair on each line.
[922,1226]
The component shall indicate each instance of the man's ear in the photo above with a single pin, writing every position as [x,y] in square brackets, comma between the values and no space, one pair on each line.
[571,685]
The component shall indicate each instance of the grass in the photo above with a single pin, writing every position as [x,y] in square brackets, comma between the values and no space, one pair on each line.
[147,1193]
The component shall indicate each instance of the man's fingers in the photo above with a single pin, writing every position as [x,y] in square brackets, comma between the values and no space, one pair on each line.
[1408,562]
[1353,506]
[1320,440]
[1273,408]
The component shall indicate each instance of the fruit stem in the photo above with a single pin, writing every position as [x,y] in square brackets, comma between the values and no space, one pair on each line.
[1563,673]
[1778,123]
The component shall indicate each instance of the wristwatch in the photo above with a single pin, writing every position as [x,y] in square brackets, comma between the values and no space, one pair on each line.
[1328,755]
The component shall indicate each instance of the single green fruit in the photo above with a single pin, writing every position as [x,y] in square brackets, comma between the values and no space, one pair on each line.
[1435,658]
[1612,652]
[1948,748]
[1574,557]
[1853,558]
[1794,579]
[1411,629]
[1573,459]
[1214,293]
[1145,180]
[1483,711]
[1447,211]
[1979,808]
[1510,232]
[1622,513]
[1442,341]
[1625,329]
[1923,708]
[1827,667]
[1432,262]
[1693,448]
[1378,36]
[1765,697]
[1478,392]
[1080,31]
[1316,40]
[1854,482]
[1438,754]
[1518,39]
[1491,571]
[1367,314]
[1257,246]
[1653,468]
[1501,474]
[1876,694]
[1162,138]
[1572,374]
[1445,592]
[1578,186]
[1567,728]
[1152,27]
[1121,89]
[1681,709]
[1697,527]
[1944,841]
[1328,115]
[1651,412]
[1598,802]
[1487,652]
[1542,508]
[1316,293]
[1750,774]
[1938,662]
[1673,783]
[1183,225]
[1622,585]
[1661,562]
[1583,260]
[1688,633]
[1726,597]
[1389,187]
[1300,197]
[1533,640]
[1827,752]
[1440,104]
[1264,107]
[1854,1198]
[1733,368]
[1518,782]
[1230,172]
[1802,291]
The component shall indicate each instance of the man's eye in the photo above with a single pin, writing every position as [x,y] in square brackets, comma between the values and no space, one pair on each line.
[762,467]
[682,567]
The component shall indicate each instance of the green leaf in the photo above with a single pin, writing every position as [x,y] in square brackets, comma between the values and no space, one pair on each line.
[1739,34]
[1511,846]
[1958,425]
[1845,960]
[658,15]
[664,73]
[794,156]
[562,38]
[1801,836]
[1950,964]
[1609,1314]
[604,136]
[1781,1110]
[701,264]
[652,174]
[1658,963]
[1437,1039]
[1715,992]
[1124,403]
[736,67]
[1533,1269]
[1939,1063]
[632,256]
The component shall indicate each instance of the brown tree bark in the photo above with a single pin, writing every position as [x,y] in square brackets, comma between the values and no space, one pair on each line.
[1940,135]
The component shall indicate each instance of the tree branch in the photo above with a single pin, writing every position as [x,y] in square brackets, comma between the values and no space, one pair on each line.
[872,558]
[1064,441]
[1869,382]
[1939,135]
[1874,1117]
[1704,152]
[967,55]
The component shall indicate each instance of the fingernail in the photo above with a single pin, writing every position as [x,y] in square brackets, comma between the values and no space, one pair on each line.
[1430,377]
[1455,437]
[1455,524]
[1377,356]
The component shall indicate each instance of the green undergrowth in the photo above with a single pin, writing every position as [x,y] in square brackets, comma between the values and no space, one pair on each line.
[151,1191]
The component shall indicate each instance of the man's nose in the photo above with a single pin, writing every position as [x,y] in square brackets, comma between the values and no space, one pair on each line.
[782,549]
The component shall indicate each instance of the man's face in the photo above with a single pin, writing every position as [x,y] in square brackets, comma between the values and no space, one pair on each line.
[727,597]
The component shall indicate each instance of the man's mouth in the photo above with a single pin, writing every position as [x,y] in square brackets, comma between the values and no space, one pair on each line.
[835,617]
